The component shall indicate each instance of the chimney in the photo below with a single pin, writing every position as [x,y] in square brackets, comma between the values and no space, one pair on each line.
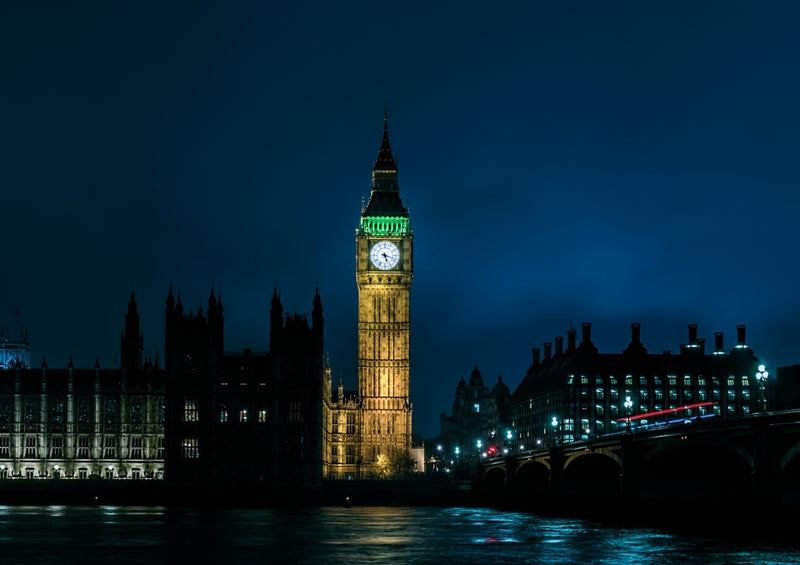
[692,333]
[741,343]
[559,345]
[718,347]
[587,332]
[547,350]
[536,352]
[635,333]
[570,339]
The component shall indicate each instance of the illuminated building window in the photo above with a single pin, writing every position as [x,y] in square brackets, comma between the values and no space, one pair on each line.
[746,395]
[83,473]
[263,414]
[190,410]
[243,415]
[599,394]
[136,474]
[673,380]
[110,415]
[351,424]
[191,450]
[642,381]
[136,447]
[614,410]
[731,381]
[599,409]
[746,410]
[29,473]
[643,394]
[745,382]
[687,380]
[701,381]
[657,381]
[658,394]
[137,409]
[109,473]
[584,394]
[701,395]
[584,380]
[477,407]
[629,380]
[687,394]
[657,407]
[673,394]
[160,448]
[57,412]
[83,447]
[715,395]
[349,455]
[57,447]
[613,394]
[30,446]
[5,446]
[732,395]
[335,454]
[162,412]
[731,410]
[110,447]
[613,381]
[223,413]
[335,423]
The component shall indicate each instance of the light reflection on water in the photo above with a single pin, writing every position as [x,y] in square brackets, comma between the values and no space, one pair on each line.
[332,535]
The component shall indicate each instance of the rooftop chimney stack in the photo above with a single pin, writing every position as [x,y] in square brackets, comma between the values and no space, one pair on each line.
[536,352]
[718,347]
[548,347]
[559,345]
[587,332]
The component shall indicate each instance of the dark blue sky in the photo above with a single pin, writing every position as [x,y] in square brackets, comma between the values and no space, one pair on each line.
[609,162]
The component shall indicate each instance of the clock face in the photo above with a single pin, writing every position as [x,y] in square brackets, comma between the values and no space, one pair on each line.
[384,255]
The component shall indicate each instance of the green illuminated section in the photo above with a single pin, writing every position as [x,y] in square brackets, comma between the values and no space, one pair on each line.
[383,226]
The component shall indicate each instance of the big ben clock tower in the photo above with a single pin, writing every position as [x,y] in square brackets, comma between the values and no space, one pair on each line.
[384,268]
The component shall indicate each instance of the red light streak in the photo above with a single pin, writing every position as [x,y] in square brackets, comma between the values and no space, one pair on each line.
[667,411]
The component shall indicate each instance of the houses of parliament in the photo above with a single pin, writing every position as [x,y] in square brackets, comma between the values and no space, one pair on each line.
[208,415]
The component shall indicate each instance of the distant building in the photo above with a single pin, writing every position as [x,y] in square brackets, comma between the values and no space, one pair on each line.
[478,414]
[579,393]
[14,350]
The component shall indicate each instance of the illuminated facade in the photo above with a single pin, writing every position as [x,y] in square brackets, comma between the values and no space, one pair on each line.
[368,434]
[578,393]
[14,351]
[84,423]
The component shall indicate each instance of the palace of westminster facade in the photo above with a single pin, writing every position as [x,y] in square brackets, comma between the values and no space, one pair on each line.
[209,415]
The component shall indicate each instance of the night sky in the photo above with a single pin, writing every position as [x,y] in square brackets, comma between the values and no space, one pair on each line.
[563,162]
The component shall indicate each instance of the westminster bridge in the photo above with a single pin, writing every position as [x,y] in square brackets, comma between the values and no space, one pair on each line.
[751,459]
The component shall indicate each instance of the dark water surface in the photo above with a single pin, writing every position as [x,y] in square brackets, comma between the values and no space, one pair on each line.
[332,535]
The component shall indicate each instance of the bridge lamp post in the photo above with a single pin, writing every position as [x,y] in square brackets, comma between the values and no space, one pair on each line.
[628,405]
[761,377]
[554,423]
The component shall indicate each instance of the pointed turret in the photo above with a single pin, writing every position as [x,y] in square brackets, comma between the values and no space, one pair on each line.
[384,200]
[132,342]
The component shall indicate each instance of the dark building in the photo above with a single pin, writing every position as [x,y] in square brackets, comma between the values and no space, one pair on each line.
[243,416]
[578,393]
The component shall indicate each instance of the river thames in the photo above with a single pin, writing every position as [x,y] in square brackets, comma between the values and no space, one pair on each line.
[331,535]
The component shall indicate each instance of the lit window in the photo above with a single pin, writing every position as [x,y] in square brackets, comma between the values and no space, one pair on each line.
[136,447]
[30,446]
[5,446]
[190,410]
[477,407]
[83,447]
[243,415]
[262,415]
[223,414]
[56,447]
[110,447]
[191,449]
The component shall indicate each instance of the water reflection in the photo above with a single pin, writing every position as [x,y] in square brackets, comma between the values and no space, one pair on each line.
[334,535]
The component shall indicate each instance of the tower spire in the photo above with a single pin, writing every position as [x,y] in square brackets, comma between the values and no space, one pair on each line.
[384,199]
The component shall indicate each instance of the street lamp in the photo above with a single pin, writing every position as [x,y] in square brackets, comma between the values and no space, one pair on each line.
[761,377]
[628,405]
[554,423]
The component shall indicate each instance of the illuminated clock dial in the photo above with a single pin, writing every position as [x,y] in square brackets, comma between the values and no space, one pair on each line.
[384,255]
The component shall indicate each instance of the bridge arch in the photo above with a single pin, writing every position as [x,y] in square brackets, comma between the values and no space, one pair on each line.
[594,472]
[495,478]
[533,475]
[697,469]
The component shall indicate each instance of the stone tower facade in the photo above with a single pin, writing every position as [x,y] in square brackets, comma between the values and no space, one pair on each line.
[384,270]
